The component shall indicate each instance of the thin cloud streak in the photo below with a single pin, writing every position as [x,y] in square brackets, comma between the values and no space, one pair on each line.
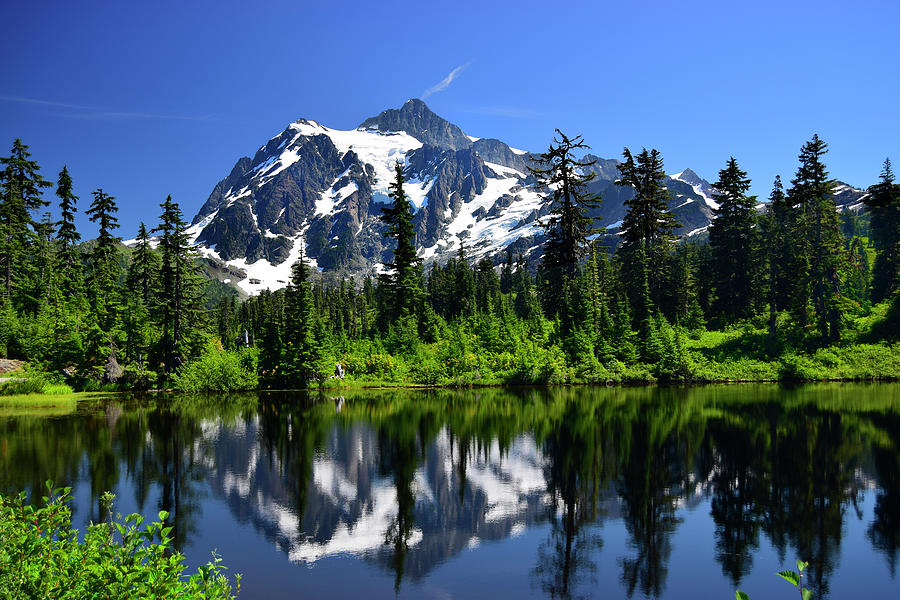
[445,83]
[90,112]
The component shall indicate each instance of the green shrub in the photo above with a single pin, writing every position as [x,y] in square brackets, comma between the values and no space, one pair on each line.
[219,370]
[138,378]
[41,556]
[32,381]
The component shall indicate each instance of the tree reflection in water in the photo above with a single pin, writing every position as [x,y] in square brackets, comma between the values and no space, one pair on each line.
[788,466]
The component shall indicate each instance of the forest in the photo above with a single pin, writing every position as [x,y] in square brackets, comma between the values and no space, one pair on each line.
[790,289]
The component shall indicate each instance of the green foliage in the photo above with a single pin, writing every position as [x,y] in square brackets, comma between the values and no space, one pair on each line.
[795,578]
[42,557]
[218,370]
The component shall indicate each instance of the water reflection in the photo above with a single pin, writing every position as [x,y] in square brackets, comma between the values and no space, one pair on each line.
[407,480]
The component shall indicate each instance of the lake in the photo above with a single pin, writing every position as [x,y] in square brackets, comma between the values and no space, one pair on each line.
[680,492]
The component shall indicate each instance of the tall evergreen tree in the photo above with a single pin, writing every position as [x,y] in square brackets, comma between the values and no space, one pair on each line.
[776,224]
[883,202]
[177,298]
[817,228]
[648,227]
[404,282]
[733,239]
[67,235]
[144,267]
[301,353]
[569,224]
[20,197]
[104,261]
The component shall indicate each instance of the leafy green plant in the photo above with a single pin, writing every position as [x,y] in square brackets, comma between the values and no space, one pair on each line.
[41,556]
[795,578]
[219,370]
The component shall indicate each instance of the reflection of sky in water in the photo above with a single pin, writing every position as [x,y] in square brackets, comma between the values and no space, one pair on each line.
[482,536]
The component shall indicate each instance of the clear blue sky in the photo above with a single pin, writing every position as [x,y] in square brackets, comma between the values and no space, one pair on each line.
[146,99]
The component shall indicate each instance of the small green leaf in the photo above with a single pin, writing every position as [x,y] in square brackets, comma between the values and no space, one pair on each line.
[806,593]
[801,565]
[163,515]
[739,595]
[790,576]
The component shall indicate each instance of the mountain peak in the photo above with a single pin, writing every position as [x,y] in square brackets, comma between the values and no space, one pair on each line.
[688,176]
[419,121]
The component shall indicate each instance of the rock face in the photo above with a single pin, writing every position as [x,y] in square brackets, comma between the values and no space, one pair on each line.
[321,190]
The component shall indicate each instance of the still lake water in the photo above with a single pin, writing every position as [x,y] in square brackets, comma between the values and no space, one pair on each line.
[525,493]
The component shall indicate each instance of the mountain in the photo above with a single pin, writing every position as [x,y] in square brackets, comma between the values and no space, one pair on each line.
[321,190]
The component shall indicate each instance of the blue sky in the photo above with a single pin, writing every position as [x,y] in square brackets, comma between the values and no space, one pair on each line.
[155,98]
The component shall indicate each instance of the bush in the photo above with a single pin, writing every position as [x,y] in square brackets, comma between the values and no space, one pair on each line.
[32,381]
[218,370]
[41,557]
[138,378]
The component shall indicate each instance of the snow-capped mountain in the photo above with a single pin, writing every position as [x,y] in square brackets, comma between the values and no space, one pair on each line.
[321,190]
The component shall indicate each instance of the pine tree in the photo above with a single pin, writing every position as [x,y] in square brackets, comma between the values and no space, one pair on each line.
[817,228]
[733,239]
[404,283]
[883,201]
[177,298]
[301,353]
[776,225]
[103,211]
[648,227]
[67,235]
[569,224]
[20,196]
[144,266]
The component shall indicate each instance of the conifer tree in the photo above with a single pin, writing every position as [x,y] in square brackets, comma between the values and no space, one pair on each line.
[104,260]
[817,228]
[177,298]
[883,201]
[301,352]
[569,224]
[144,266]
[648,227]
[732,238]
[103,211]
[20,196]
[404,283]
[776,225]
[67,235]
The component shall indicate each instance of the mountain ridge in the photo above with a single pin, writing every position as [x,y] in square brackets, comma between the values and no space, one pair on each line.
[320,190]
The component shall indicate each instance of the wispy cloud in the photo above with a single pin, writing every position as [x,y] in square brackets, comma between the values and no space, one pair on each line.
[92,112]
[445,82]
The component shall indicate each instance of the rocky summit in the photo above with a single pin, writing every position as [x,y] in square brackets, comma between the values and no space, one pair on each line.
[320,191]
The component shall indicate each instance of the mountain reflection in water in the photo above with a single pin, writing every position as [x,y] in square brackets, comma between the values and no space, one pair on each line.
[408,480]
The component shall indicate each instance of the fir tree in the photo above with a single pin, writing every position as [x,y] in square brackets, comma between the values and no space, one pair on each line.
[569,224]
[67,235]
[20,196]
[103,211]
[104,277]
[776,225]
[301,354]
[404,283]
[648,227]
[177,297]
[817,228]
[732,238]
[144,266]
[883,201]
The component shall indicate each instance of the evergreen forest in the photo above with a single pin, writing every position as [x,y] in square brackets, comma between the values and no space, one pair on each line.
[792,290]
